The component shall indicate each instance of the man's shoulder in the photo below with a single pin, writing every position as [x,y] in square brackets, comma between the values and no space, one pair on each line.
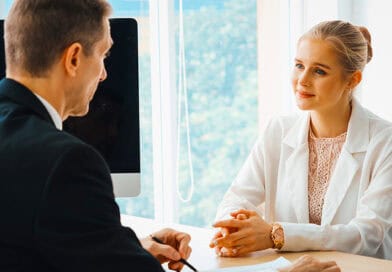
[30,133]
[45,131]
[60,142]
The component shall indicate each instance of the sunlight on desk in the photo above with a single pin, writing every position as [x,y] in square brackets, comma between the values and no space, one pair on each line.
[204,258]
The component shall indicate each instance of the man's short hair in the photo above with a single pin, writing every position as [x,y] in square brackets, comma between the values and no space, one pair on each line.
[38,31]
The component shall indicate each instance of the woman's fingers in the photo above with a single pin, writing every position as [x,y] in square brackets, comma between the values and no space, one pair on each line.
[247,213]
[241,216]
[228,223]
[216,236]
[228,252]
[241,246]
[230,240]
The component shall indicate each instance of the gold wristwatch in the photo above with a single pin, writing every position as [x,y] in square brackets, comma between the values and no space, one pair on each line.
[277,235]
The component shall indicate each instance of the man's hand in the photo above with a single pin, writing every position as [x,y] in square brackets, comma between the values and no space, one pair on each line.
[174,247]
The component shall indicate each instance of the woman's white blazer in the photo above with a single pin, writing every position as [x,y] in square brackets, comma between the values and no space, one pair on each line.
[357,211]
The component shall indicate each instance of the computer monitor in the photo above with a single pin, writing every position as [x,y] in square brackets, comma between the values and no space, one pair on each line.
[112,123]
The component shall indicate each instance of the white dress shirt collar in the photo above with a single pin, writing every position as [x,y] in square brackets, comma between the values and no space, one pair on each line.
[52,112]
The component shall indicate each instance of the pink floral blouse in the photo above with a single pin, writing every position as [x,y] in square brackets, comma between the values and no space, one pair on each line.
[323,154]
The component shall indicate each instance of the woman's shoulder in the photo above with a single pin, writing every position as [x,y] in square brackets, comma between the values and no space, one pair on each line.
[379,134]
[376,123]
[284,123]
[281,128]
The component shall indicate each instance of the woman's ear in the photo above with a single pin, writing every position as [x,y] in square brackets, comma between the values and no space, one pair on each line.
[355,79]
[72,58]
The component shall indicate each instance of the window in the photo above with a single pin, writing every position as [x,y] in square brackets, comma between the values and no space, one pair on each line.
[217,93]
[200,110]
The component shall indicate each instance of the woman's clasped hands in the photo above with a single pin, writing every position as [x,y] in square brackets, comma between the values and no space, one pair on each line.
[245,232]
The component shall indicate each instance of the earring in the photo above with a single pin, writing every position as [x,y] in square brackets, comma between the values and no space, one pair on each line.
[350,94]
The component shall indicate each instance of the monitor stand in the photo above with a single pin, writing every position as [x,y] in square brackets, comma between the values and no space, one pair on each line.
[126,184]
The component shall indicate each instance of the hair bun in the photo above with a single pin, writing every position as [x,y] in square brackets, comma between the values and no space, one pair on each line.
[366,34]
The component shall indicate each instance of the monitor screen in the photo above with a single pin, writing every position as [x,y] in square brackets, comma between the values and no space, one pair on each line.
[112,123]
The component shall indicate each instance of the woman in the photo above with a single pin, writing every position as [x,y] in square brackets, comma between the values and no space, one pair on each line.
[324,177]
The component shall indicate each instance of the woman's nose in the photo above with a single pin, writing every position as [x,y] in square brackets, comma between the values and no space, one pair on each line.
[304,78]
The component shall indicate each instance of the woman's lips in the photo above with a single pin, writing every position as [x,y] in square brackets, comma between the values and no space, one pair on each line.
[304,95]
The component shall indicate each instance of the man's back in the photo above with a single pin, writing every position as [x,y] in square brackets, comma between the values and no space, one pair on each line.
[56,197]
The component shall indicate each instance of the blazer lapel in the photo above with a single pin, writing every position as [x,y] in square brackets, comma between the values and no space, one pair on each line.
[296,173]
[340,181]
[347,166]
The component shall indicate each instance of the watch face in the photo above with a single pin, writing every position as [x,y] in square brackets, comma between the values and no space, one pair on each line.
[279,233]
[278,236]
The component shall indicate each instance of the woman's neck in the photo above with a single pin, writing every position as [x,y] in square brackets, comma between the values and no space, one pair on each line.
[330,124]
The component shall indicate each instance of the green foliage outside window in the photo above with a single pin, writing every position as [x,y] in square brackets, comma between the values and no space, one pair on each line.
[221,68]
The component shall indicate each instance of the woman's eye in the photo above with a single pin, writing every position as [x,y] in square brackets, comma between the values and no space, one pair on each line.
[320,72]
[299,66]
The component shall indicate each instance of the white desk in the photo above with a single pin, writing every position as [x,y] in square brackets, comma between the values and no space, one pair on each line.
[204,258]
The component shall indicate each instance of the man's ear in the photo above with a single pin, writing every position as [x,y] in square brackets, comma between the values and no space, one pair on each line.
[72,58]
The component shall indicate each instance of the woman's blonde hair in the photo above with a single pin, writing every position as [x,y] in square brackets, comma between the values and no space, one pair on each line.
[352,43]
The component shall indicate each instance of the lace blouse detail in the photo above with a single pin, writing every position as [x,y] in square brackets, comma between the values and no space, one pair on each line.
[323,154]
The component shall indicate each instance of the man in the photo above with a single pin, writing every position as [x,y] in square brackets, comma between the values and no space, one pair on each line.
[56,198]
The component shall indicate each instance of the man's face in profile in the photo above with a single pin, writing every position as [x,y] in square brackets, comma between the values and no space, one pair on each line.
[92,72]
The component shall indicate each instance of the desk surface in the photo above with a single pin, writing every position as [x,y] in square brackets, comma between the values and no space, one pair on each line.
[204,258]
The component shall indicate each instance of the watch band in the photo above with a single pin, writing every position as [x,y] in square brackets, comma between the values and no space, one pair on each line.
[277,235]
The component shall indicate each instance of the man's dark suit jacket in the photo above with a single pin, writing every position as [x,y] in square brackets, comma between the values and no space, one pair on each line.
[57,206]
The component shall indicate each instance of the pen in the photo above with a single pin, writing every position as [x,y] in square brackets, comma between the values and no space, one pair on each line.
[181,260]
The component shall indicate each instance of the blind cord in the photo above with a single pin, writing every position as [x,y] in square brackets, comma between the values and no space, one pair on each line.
[182,88]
